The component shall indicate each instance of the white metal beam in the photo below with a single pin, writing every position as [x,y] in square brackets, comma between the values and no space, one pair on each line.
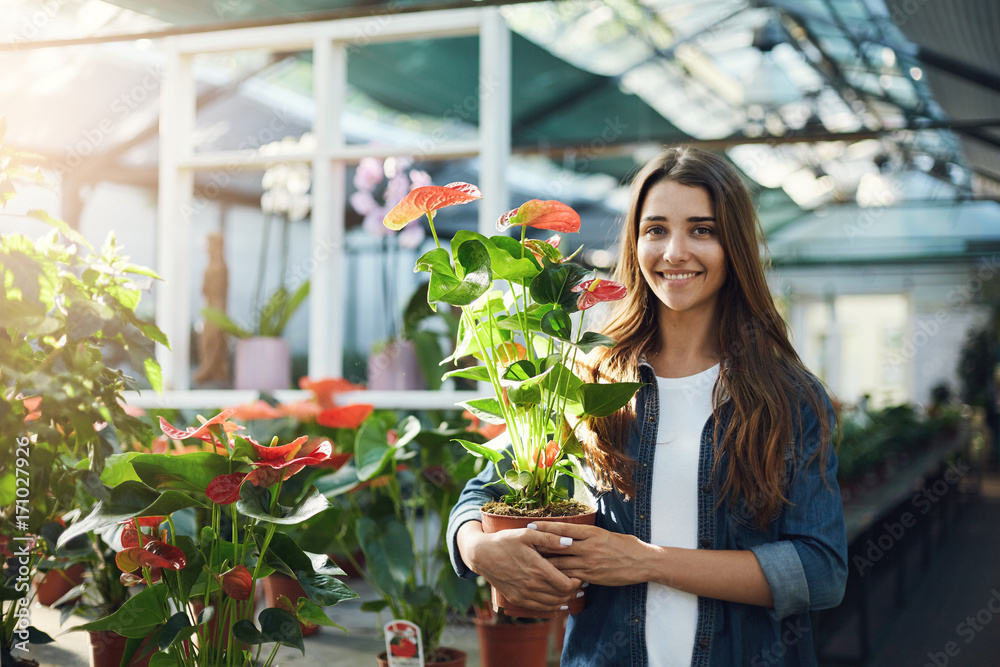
[494,118]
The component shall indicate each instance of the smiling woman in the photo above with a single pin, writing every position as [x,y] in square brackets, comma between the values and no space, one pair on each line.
[719,518]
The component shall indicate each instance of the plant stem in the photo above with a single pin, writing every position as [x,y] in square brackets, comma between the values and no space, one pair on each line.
[430,221]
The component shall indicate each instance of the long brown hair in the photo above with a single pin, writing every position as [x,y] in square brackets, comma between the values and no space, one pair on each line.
[761,375]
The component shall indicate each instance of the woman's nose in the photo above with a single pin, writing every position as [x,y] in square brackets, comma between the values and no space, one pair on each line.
[676,250]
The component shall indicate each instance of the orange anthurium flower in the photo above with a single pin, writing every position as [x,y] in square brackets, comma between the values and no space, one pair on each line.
[325,389]
[302,411]
[593,292]
[548,456]
[427,199]
[257,410]
[200,432]
[347,416]
[277,454]
[551,214]
[31,405]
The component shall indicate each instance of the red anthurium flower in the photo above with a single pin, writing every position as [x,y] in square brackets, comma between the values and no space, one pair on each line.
[547,456]
[277,454]
[347,416]
[237,583]
[200,432]
[153,554]
[225,489]
[551,214]
[134,579]
[597,290]
[265,476]
[336,461]
[426,200]
[130,534]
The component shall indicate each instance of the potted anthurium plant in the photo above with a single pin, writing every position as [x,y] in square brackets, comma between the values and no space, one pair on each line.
[411,477]
[196,607]
[528,342]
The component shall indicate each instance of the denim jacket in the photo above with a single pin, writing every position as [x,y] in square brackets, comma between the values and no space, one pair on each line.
[802,552]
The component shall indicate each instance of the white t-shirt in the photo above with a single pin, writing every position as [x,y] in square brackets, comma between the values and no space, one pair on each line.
[685,406]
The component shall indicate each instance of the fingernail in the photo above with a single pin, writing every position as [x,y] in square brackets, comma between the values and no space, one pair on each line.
[532,526]
[566,541]
[584,584]
[564,607]
[579,594]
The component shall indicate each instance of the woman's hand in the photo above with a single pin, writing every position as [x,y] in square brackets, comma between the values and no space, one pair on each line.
[599,556]
[510,560]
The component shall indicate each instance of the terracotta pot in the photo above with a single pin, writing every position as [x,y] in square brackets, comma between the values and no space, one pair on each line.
[281,584]
[108,648]
[262,364]
[521,644]
[455,657]
[493,523]
[395,368]
[558,634]
[57,583]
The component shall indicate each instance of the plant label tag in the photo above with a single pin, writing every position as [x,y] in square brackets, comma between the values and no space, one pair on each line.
[403,647]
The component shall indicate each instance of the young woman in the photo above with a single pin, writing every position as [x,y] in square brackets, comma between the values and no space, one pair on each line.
[719,521]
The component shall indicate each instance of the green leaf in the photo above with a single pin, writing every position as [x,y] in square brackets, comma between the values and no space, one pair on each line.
[601,400]
[388,551]
[171,630]
[517,372]
[138,617]
[36,636]
[506,260]
[117,469]
[152,332]
[486,409]
[484,450]
[277,625]
[473,261]
[324,589]
[290,307]
[310,612]
[222,321]
[374,606]
[457,592]
[154,374]
[517,480]
[554,285]
[372,450]
[480,373]
[191,472]
[311,504]
[129,499]
[590,339]
[247,633]
[67,231]
[558,323]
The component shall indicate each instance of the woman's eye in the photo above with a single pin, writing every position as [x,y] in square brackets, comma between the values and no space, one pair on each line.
[703,231]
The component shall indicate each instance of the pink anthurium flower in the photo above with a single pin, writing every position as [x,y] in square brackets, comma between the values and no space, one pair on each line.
[551,214]
[200,432]
[593,292]
[275,454]
[427,199]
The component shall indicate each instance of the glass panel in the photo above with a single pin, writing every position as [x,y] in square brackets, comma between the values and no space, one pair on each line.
[250,98]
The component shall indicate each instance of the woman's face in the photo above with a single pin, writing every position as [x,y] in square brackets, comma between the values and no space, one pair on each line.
[680,255]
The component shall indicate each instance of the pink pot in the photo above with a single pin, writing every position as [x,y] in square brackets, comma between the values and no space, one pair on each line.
[262,364]
[395,368]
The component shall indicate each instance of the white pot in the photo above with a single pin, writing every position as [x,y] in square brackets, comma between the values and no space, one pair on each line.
[395,368]
[262,364]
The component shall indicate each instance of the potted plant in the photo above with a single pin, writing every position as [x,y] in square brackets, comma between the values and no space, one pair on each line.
[528,342]
[68,313]
[509,640]
[263,359]
[405,481]
[196,607]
